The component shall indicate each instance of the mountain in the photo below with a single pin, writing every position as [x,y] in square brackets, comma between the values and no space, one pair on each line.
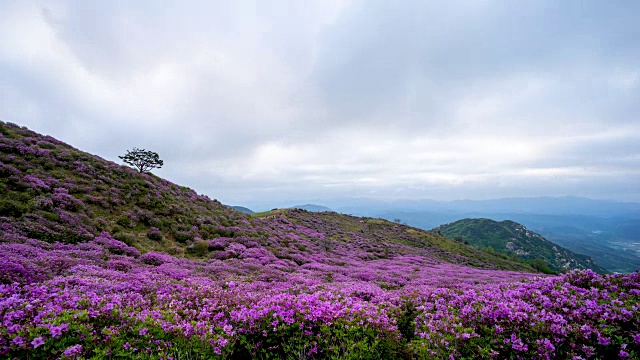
[98,260]
[511,238]
[312,207]
[243,209]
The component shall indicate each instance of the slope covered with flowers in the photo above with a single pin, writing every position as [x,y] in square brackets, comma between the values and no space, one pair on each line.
[97,261]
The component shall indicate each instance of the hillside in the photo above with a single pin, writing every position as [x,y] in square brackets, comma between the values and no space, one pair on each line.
[511,238]
[607,231]
[99,261]
[243,209]
[53,192]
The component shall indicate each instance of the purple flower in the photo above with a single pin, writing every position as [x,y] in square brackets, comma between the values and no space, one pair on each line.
[547,345]
[73,350]
[37,342]
[55,331]
[603,340]
[18,341]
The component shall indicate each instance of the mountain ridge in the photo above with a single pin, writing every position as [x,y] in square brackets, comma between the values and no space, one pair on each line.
[511,238]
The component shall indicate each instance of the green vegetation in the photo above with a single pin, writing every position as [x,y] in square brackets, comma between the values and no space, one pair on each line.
[516,242]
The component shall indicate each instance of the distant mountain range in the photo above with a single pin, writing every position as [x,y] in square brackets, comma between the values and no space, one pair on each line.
[563,205]
[511,238]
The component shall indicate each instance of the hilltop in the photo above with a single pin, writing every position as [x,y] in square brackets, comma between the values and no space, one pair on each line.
[98,261]
[516,240]
[312,207]
[243,209]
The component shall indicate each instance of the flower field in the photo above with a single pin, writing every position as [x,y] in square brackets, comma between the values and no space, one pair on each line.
[97,261]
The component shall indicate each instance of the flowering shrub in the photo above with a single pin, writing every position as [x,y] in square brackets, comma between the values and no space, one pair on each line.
[156,258]
[115,246]
[163,306]
[154,234]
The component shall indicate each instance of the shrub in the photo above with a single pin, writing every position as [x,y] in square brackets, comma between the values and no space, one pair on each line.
[156,258]
[406,321]
[125,222]
[541,266]
[183,236]
[126,238]
[154,234]
[155,222]
[12,208]
[201,247]
[116,246]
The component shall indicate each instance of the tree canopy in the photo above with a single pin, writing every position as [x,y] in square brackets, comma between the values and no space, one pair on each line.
[142,160]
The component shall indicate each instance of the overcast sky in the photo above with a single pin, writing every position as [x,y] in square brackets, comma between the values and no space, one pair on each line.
[281,100]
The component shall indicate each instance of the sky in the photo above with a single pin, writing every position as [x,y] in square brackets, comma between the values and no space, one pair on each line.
[249,101]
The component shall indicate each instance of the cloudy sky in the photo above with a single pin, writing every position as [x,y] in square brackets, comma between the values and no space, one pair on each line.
[269,100]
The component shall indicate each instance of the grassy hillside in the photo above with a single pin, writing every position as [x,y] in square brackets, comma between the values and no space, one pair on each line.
[383,239]
[53,192]
[513,239]
[98,261]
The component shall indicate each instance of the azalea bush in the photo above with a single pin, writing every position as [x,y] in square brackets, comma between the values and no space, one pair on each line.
[102,298]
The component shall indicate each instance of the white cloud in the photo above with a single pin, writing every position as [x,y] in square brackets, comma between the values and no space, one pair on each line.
[297,99]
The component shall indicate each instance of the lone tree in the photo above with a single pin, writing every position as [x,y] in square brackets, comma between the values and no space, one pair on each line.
[142,160]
